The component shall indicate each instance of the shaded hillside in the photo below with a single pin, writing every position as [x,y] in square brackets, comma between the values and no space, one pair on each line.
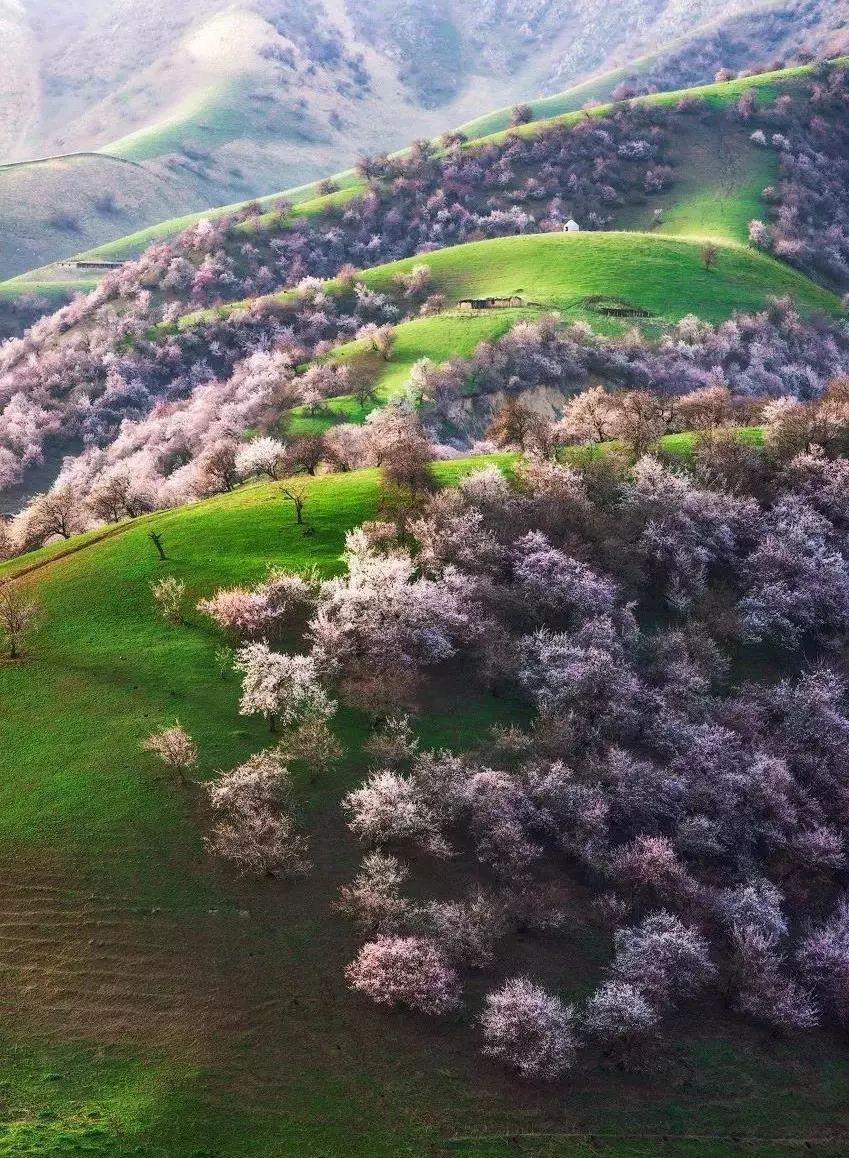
[59,206]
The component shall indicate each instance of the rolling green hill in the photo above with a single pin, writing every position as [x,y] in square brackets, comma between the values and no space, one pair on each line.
[155,1006]
[661,274]
[555,272]
[227,101]
[558,271]
[439,338]
[719,177]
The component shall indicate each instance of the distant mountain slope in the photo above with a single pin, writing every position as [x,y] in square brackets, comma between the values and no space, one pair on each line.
[20,96]
[227,101]
[68,203]
[113,68]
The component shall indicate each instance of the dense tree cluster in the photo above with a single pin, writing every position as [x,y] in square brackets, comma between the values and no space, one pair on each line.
[809,210]
[697,377]
[703,813]
[657,791]
[751,357]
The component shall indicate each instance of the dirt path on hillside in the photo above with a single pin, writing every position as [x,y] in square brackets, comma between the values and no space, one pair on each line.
[31,568]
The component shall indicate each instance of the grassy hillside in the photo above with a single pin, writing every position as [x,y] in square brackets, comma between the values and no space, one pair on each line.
[558,271]
[20,77]
[231,101]
[56,207]
[227,104]
[446,66]
[719,174]
[660,274]
[728,40]
[598,87]
[153,1005]
[439,338]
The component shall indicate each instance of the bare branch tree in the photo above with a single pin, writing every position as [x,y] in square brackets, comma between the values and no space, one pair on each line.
[156,539]
[296,494]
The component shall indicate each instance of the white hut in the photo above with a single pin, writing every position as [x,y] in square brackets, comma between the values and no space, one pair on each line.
[571,226]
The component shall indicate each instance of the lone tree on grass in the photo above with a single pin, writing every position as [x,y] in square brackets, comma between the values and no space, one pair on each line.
[312,743]
[531,1031]
[253,828]
[381,339]
[19,612]
[168,595]
[710,256]
[175,748]
[408,971]
[363,389]
[218,466]
[156,539]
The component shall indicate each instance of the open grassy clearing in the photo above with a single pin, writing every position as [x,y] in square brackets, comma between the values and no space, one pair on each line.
[450,335]
[557,271]
[203,120]
[679,446]
[56,290]
[660,274]
[155,1006]
[720,176]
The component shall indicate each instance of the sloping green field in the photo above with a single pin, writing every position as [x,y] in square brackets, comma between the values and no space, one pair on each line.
[595,88]
[155,1006]
[660,274]
[558,271]
[452,335]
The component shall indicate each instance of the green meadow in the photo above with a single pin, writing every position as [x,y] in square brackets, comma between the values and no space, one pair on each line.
[154,1005]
